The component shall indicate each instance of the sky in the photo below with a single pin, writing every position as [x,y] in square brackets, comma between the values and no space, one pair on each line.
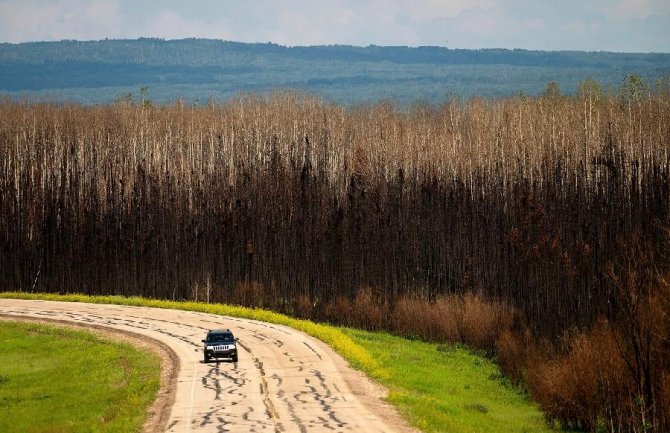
[590,25]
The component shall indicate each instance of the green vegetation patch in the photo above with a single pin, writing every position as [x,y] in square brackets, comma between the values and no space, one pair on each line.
[54,379]
[437,388]
[442,388]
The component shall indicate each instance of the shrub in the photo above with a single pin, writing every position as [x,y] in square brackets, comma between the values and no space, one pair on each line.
[515,350]
[483,321]
[580,387]
[303,307]
[368,311]
[469,319]
[446,315]
[413,317]
[338,311]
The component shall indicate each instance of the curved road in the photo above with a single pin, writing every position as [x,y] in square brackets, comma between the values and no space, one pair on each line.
[285,380]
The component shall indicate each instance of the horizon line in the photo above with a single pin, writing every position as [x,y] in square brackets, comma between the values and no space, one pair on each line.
[443,47]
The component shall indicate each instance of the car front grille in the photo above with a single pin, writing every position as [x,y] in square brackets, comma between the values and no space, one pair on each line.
[221,348]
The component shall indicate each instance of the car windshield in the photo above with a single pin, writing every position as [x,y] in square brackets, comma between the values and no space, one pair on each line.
[220,338]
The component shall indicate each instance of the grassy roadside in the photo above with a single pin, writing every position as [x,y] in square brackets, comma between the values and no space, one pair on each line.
[443,388]
[438,388]
[54,379]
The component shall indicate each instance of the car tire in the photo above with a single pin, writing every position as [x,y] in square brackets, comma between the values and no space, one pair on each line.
[206,359]
[235,358]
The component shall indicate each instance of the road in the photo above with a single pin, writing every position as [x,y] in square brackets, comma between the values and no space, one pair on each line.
[285,380]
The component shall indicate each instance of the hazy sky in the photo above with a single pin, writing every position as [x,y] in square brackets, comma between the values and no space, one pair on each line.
[612,25]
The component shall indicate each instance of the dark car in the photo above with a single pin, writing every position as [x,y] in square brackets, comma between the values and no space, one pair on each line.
[220,343]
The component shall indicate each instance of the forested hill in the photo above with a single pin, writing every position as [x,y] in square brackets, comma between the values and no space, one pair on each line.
[200,69]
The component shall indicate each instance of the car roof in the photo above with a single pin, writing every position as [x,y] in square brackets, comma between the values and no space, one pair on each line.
[220,331]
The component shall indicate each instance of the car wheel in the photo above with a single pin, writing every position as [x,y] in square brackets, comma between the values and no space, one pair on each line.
[235,358]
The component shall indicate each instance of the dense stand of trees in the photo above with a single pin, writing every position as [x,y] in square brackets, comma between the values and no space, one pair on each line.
[522,200]
[446,223]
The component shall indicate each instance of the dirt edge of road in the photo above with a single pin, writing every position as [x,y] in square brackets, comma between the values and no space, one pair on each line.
[158,413]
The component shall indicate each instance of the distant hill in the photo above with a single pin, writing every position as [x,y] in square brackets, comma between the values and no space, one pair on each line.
[201,69]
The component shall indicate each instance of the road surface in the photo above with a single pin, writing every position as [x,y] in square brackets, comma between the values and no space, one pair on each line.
[285,380]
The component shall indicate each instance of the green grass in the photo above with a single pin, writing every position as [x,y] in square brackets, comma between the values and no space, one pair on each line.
[443,388]
[438,388]
[54,379]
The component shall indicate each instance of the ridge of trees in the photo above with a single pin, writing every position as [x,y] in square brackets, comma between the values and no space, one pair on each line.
[97,71]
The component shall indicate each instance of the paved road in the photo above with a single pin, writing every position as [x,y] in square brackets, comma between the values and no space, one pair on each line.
[285,381]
